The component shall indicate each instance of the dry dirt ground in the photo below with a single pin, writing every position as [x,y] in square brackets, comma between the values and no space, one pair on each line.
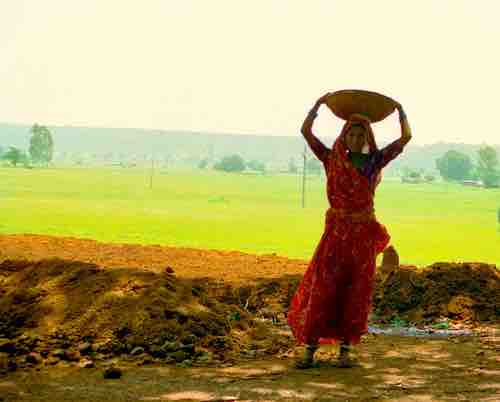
[208,325]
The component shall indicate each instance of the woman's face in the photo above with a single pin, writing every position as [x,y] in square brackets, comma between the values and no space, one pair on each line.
[355,138]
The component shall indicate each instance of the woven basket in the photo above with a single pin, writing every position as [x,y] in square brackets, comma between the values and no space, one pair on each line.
[373,105]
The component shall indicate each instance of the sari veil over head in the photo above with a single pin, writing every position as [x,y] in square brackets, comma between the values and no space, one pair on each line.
[365,122]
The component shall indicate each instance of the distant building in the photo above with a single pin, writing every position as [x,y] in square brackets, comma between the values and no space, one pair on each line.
[473,183]
[413,180]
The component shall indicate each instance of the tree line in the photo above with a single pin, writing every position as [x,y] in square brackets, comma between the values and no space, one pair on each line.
[456,166]
[452,166]
[235,163]
[40,152]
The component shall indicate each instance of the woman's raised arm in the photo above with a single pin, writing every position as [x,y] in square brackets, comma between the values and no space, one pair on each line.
[405,127]
[391,151]
[319,149]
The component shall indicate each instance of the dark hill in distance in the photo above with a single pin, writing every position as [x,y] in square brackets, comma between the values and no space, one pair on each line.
[194,146]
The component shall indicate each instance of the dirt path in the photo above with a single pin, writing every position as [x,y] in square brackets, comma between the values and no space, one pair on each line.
[392,369]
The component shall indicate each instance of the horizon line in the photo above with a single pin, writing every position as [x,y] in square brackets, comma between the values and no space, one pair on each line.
[239,134]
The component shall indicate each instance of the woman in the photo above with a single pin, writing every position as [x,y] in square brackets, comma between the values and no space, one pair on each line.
[333,300]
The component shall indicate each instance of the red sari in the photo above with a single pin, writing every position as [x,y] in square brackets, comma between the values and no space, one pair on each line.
[334,298]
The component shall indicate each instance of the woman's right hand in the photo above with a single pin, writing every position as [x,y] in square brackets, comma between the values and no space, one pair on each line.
[323,98]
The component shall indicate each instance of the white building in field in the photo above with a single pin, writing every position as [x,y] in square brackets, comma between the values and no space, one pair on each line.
[473,183]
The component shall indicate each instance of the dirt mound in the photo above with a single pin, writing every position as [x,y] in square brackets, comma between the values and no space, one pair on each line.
[468,292]
[52,305]
[70,299]
[233,266]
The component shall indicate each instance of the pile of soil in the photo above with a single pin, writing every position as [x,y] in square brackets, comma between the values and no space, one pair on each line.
[55,309]
[75,300]
[465,292]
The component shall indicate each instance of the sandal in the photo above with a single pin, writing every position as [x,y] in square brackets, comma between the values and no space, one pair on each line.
[346,362]
[306,363]
[308,360]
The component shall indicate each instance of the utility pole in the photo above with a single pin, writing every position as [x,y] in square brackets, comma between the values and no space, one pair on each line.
[151,172]
[304,178]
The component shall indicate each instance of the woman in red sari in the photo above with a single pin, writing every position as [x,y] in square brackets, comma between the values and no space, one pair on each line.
[333,300]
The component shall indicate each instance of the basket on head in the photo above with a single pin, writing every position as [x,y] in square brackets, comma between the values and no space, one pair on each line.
[373,105]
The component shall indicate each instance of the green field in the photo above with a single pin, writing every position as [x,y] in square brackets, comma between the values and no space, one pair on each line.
[253,213]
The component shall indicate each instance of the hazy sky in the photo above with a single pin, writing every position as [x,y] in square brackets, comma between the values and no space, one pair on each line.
[250,67]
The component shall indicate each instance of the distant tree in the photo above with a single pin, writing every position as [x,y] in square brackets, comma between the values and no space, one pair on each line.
[487,166]
[405,171]
[292,167]
[488,158]
[14,156]
[454,165]
[203,164]
[410,175]
[41,144]
[491,179]
[474,174]
[408,172]
[314,165]
[232,163]
[256,165]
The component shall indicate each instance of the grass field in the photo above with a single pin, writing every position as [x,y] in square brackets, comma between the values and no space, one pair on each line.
[253,213]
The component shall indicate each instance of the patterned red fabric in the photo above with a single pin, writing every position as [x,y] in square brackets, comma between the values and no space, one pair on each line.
[334,298]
